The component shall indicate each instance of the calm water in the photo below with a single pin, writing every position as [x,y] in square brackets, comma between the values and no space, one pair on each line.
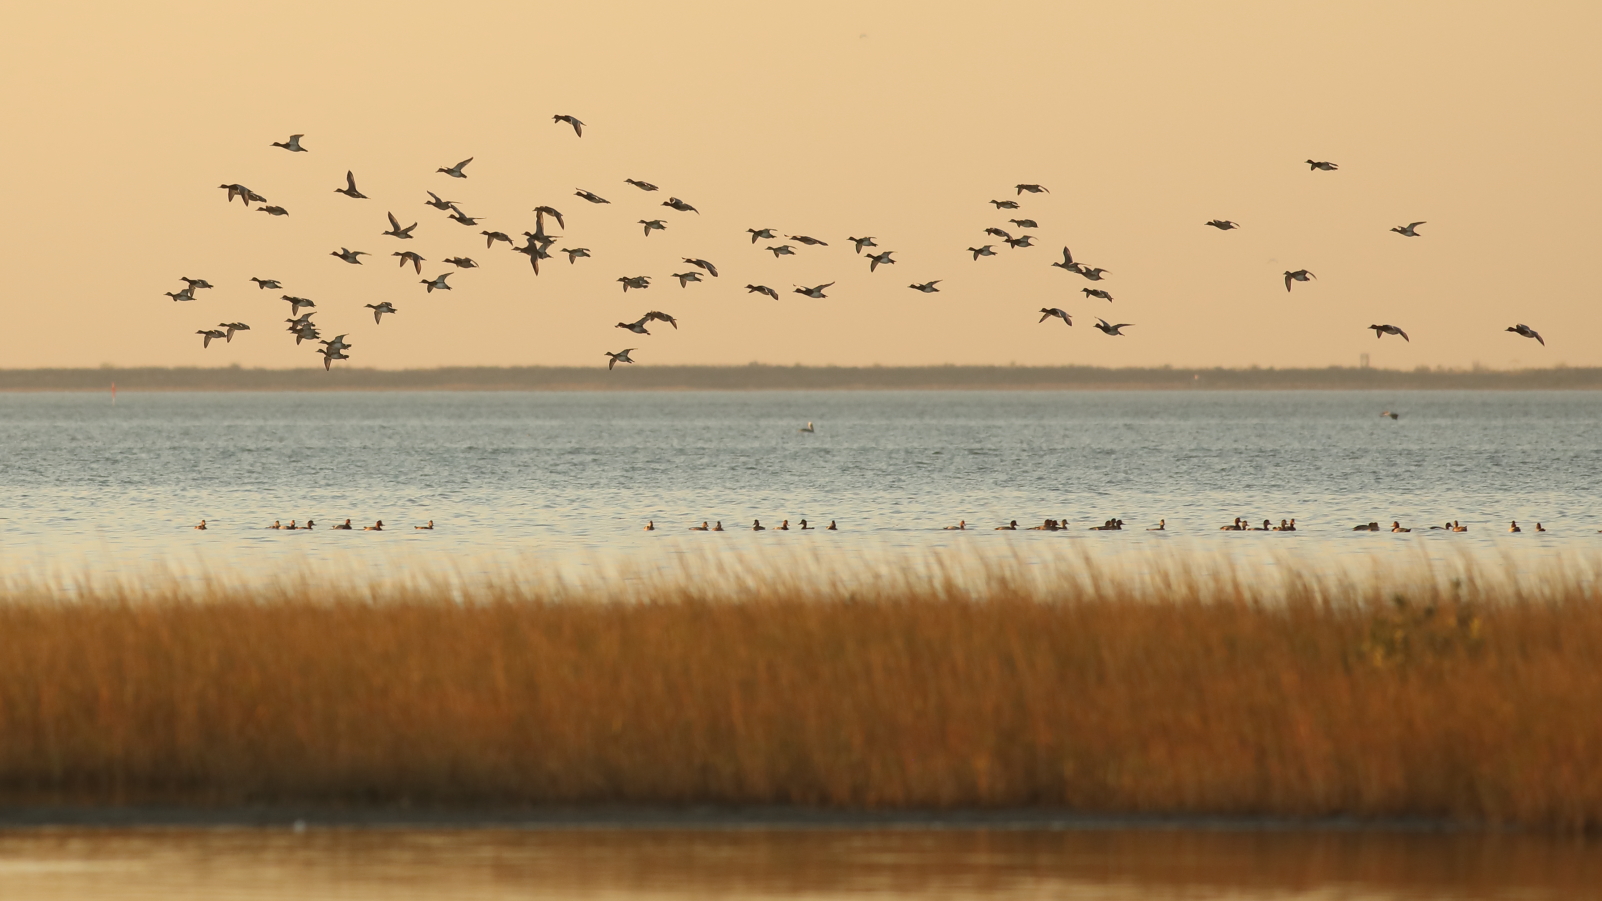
[573,477]
[640,864]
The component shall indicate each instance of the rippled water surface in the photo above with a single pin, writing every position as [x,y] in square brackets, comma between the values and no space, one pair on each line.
[643,864]
[574,476]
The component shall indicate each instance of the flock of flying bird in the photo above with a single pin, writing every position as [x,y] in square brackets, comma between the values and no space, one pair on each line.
[538,244]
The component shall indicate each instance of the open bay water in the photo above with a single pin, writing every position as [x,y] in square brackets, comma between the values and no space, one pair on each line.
[568,480]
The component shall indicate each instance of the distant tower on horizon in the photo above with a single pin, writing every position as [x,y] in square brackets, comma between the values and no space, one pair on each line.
[1362,361]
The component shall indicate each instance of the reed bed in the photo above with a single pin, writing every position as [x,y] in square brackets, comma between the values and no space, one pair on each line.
[1412,695]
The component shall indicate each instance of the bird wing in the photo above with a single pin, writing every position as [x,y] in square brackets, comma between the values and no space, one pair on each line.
[458,166]
[1414,224]
[394,223]
[350,180]
[1288,278]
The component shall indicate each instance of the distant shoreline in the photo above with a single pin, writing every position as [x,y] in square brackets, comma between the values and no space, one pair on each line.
[757,377]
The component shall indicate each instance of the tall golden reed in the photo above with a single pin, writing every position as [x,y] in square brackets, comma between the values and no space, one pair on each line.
[1182,693]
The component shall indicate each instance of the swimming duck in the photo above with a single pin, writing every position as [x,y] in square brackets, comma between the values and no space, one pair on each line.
[650,525]
[1391,415]
[293,526]
[1514,526]
[961,526]
[1009,527]
[1371,527]
[308,526]
[756,526]
[275,525]
[832,527]
[1397,527]
[718,527]
[1162,526]
[427,528]
[344,525]
[804,527]
[375,527]
[783,526]
[202,526]
[703,527]
[1458,528]
[1265,527]
[1539,528]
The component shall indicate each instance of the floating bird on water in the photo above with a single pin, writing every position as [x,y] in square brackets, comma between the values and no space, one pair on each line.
[1033,189]
[1068,262]
[553,212]
[379,309]
[1110,329]
[875,260]
[808,240]
[686,277]
[573,253]
[1024,223]
[1409,230]
[764,233]
[783,250]
[578,127]
[1097,292]
[272,210]
[927,287]
[406,256]
[985,251]
[809,429]
[1325,165]
[195,284]
[233,327]
[1527,332]
[1005,204]
[456,170]
[349,256]
[638,282]
[1381,331]
[1388,413]
[267,283]
[642,185]
[621,356]
[703,264]
[1300,275]
[592,198]
[859,242]
[649,224]
[814,293]
[292,145]
[437,283]
[1223,225]
[295,303]
[207,335]
[491,237]
[462,262]
[438,203]
[762,289]
[659,316]
[350,187]
[395,230]
[1049,312]
[680,205]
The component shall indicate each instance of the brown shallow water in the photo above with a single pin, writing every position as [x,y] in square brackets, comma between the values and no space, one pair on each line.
[351,863]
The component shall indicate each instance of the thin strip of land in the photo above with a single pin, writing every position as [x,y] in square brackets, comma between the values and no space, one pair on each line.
[778,378]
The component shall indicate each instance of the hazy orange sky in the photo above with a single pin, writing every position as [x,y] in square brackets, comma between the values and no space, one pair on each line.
[897,120]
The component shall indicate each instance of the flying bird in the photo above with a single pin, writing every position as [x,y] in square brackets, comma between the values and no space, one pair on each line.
[1527,332]
[659,316]
[1033,189]
[1001,233]
[437,283]
[292,145]
[1005,204]
[349,256]
[233,327]
[1049,312]
[395,230]
[245,195]
[1381,331]
[1409,230]
[621,356]
[578,127]
[882,259]
[458,216]
[1325,165]
[637,282]
[491,237]
[553,212]
[406,256]
[637,328]
[927,287]
[330,354]
[456,170]
[592,198]
[272,210]
[814,293]
[808,240]
[764,233]
[1223,225]
[680,205]
[379,309]
[703,264]
[438,203]
[859,242]
[462,262]
[295,303]
[1300,275]
[195,284]
[985,251]
[350,187]
[642,185]
[1092,274]
[573,253]
[1112,329]
[267,283]
[186,294]
[1097,292]
[207,335]
[1024,223]
[783,250]
[649,224]
[686,277]
[1021,241]
[1068,262]
[762,289]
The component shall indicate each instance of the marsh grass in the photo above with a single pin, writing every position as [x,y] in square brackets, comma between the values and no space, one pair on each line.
[1396,695]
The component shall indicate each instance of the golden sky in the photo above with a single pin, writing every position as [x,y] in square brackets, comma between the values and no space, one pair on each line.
[897,120]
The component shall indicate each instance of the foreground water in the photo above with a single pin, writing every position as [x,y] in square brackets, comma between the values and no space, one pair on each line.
[573,477]
[790,864]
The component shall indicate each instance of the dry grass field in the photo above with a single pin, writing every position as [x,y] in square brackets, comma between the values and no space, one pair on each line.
[1178,694]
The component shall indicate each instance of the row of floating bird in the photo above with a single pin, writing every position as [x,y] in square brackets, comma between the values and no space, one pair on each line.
[539,243]
[311,524]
